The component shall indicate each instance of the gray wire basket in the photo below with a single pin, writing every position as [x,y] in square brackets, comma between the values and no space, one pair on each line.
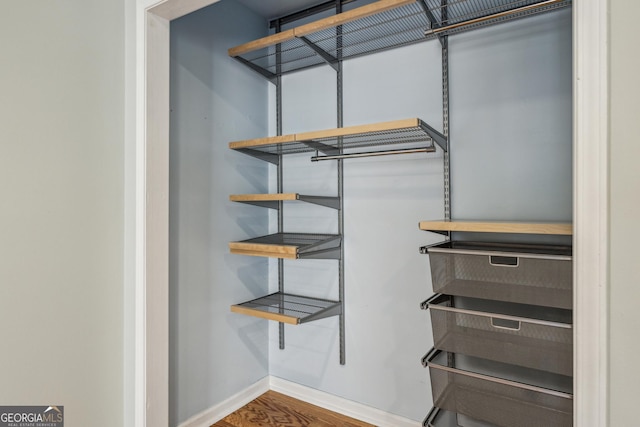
[499,394]
[527,274]
[531,336]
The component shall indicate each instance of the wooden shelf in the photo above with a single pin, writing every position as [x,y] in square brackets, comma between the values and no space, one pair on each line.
[287,308]
[376,27]
[290,246]
[498,227]
[272,200]
[327,141]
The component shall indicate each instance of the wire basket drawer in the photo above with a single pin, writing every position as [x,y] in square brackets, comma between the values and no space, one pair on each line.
[519,334]
[499,394]
[527,274]
[441,418]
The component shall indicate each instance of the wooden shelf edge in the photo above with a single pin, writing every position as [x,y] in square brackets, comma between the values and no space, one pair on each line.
[262,43]
[499,227]
[264,250]
[248,143]
[265,315]
[267,254]
[263,197]
[327,133]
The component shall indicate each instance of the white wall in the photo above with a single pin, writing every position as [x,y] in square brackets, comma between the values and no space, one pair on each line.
[214,100]
[624,207]
[61,221]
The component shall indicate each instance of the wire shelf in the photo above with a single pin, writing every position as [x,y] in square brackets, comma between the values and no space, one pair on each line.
[341,140]
[287,308]
[272,201]
[291,246]
[383,25]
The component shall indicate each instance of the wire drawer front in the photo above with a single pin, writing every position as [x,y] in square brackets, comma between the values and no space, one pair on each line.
[500,394]
[527,274]
[531,336]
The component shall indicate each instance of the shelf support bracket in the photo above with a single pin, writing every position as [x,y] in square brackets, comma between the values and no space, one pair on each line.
[323,148]
[329,202]
[333,62]
[267,157]
[436,136]
[265,73]
[327,312]
[271,204]
[430,17]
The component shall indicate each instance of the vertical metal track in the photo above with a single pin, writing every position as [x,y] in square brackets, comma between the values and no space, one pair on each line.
[279,175]
[445,125]
[445,113]
[340,178]
[340,167]
[444,41]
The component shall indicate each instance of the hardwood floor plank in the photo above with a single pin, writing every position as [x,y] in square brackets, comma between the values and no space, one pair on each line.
[274,409]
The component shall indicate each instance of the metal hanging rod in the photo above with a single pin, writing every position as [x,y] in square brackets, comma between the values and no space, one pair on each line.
[490,17]
[374,153]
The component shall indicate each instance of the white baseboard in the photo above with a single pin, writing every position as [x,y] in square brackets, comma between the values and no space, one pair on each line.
[319,398]
[340,405]
[224,408]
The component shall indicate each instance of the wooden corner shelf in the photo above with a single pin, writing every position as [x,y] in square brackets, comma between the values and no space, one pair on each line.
[376,27]
[554,228]
[334,141]
[290,246]
[287,308]
[271,201]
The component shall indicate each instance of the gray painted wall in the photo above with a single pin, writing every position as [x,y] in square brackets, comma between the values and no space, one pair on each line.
[213,353]
[511,120]
[624,212]
[511,159]
[62,129]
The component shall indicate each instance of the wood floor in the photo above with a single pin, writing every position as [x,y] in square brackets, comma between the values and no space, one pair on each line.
[274,409]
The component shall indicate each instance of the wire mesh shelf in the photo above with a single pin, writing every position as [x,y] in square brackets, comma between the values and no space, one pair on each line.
[340,140]
[288,308]
[379,26]
[290,246]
